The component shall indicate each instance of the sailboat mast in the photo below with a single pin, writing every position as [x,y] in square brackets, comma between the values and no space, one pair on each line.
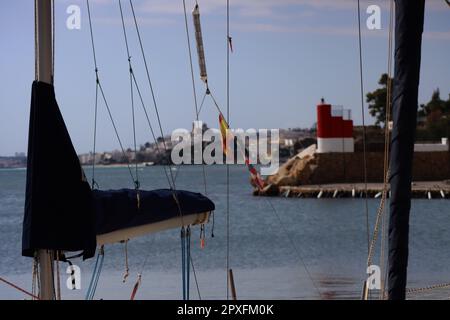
[44,46]
[44,73]
[409,20]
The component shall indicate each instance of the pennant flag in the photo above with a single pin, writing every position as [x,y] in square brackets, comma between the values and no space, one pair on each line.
[225,132]
[228,136]
[231,44]
[254,175]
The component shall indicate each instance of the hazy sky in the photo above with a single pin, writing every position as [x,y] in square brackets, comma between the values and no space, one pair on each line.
[287,55]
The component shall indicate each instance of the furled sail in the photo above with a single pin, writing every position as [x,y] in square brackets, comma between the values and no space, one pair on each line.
[128,213]
[58,199]
[409,17]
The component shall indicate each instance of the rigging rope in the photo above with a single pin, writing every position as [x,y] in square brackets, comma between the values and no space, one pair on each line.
[195,278]
[127,269]
[297,251]
[209,93]
[95,274]
[185,260]
[172,180]
[170,177]
[380,217]
[94,184]
[139,279]
[193,89]
[227,166]
[188,260]
[148,76]
[130,68]
[386,145]
[429,288]
[99,86]
[364,126]
[155,140]
[201,105]
[19,288]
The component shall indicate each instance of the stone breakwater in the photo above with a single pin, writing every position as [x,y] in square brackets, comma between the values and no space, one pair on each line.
[310,170]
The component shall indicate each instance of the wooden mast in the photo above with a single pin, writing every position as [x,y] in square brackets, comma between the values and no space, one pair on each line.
[44,73]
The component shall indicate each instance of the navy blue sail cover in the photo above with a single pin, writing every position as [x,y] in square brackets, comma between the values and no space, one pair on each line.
[61,210]
[120,209]
[58,199]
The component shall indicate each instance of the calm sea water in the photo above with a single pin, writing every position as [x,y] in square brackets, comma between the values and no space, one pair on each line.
[328,234]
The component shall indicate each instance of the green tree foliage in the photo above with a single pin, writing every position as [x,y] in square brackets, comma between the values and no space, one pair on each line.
[377,100]
[434,118]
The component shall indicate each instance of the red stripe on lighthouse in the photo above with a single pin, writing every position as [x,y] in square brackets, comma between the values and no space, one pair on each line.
[332,127]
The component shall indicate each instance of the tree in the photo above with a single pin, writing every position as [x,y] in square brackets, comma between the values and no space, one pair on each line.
[434,109]
[437,118]
[377,100]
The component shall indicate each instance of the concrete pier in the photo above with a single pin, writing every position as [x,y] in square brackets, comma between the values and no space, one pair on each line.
[421,189]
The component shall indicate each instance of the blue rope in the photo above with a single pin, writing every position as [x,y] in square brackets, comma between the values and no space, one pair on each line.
[188,258]
[95,275]
[98,276]
[183,258]
[88,292]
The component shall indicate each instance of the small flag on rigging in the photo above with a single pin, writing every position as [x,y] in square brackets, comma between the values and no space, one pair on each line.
[230,42]
[227,136]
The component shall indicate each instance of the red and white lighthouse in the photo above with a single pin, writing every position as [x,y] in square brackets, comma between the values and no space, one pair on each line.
[334,129]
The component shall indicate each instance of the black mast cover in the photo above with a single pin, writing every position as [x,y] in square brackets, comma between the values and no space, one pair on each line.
[409,19]
[59,213]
